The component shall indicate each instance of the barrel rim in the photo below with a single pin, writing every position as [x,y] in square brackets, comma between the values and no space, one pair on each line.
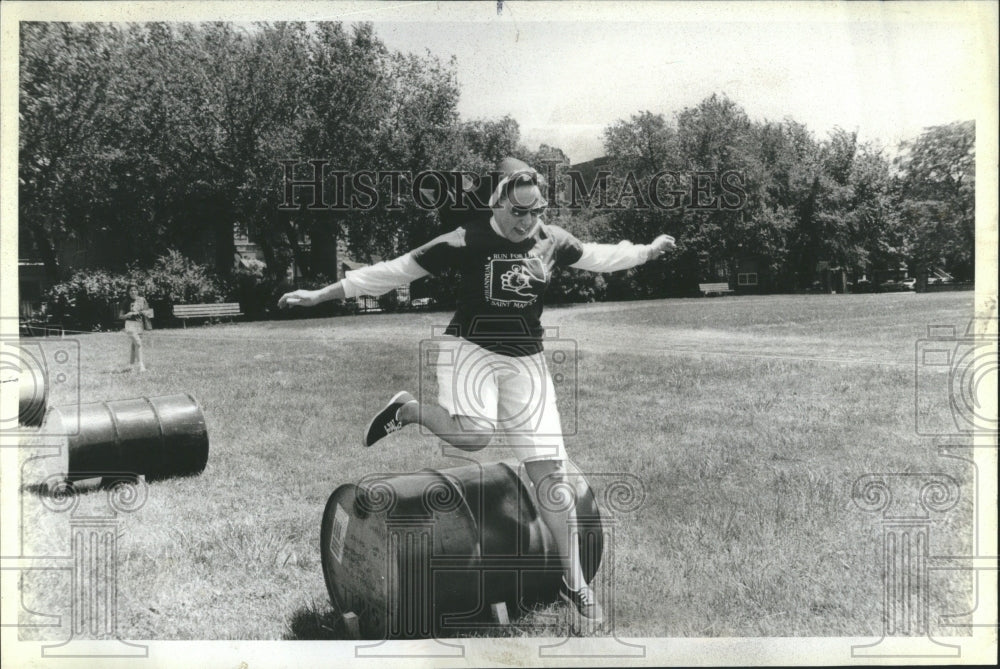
[349,488]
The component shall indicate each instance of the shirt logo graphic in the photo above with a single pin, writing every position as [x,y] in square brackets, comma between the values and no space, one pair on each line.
[515,281]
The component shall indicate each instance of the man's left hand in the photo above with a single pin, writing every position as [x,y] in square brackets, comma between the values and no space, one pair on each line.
[661,245]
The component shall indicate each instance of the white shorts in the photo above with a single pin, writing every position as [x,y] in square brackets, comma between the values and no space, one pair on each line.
[513,394]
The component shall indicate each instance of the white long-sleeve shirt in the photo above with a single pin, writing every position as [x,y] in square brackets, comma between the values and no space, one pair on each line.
[382,277]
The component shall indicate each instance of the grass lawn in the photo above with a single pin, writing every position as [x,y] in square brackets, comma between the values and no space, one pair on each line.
[747,420]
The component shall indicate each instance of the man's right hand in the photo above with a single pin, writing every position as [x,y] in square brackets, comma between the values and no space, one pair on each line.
[299,298]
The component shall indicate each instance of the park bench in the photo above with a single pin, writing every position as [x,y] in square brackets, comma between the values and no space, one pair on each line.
[218,310]
[714,288]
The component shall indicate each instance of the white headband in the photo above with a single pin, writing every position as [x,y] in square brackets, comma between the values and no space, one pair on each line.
[495,197]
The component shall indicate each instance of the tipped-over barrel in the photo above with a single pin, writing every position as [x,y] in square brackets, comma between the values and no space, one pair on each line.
[427,553]
[33,393]
[158,437]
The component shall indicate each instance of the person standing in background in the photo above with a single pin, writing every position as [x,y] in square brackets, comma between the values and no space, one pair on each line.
[136,314]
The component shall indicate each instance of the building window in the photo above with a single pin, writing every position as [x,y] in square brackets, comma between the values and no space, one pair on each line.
[241,234]
[747,279]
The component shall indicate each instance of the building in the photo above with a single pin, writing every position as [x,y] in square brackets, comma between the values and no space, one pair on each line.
[751,275]
[32,283]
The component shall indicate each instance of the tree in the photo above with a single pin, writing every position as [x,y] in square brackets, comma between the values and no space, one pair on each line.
[417,134]
[486,142]
[645,144]
[873,219]
[244,92]
[780,176]
[65,70]
[145,137]
[708,143]
[935,190]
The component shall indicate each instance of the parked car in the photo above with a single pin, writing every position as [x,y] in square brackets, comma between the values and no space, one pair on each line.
[422,303]
[911,283]
[893,286]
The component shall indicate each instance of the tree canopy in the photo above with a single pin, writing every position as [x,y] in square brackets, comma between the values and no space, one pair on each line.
[138,138]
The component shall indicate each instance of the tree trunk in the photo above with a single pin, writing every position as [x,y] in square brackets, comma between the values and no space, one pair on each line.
[43,246]
[299,259]
[225,248]
[323,249]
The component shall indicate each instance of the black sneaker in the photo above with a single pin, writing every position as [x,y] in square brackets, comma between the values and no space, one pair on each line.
[585,602]
[386,422]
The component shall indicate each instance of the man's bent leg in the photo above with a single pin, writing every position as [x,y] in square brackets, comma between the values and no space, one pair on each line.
[468,433]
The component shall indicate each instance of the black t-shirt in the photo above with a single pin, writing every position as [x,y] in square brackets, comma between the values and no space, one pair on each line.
[502,283]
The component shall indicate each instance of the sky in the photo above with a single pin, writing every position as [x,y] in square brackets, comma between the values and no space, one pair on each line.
[565,72]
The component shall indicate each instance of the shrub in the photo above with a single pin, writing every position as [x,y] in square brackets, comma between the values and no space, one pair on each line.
[175,279]
[573,285]
[90,299]
[255,290]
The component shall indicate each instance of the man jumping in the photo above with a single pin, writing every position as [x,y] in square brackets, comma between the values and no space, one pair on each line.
[492,377]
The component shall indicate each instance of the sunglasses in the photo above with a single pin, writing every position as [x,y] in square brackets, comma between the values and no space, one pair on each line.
[521,212]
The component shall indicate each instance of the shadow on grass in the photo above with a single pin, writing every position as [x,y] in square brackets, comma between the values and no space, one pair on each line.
[63,487]
[309,624]
[106,482]
[315,623]
[37,489]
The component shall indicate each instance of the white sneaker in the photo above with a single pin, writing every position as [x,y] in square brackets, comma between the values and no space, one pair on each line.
[584,601]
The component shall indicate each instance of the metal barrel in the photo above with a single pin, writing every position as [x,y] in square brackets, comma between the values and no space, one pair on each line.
[428,553]
[33,390]
[158,437]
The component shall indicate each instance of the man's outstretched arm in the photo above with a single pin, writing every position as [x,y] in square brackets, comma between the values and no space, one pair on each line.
[624,255]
